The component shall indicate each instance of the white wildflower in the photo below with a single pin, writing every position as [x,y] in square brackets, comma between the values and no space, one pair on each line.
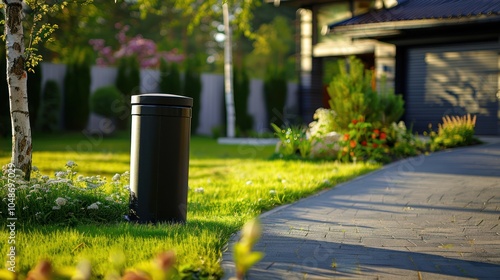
[199,190]
[60,174]
[34,168]
[327,182]
[32,191]
[116,178]
[70,164]
[45,177]
[93,206]
[38,198]
[272,192]
[56,207]
[283,181]
[109,198]
[80,178]
[61,201]
[249,182]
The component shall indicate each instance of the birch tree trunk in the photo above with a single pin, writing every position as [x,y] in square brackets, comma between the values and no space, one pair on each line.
[228,74]
[17,81]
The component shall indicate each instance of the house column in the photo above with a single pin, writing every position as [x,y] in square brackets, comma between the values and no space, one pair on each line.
[385,66]
[304,61]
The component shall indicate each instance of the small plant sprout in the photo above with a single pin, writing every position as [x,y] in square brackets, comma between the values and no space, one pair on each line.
[244,258]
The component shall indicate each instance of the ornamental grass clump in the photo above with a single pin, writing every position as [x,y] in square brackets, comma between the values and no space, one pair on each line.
[455,131]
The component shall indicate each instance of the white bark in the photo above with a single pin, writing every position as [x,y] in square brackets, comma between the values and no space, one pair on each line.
[17,81]
[228,74]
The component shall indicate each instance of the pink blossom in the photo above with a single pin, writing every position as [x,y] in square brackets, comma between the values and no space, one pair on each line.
[145,50]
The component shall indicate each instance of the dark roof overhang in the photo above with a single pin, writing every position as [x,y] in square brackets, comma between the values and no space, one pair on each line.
[299,3]
[396,28]
[421,16]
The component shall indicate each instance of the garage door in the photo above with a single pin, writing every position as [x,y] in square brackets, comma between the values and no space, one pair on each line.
[454,80]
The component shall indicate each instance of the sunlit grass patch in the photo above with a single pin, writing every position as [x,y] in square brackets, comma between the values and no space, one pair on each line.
[228,185]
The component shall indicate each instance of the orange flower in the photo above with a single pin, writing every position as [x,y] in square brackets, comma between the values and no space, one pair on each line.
[346,137]
[353,144]
[166,260]
[354,121]
[133,275]
[383,136]
[374,136]
[375,145]
[363,143]
[352,154]
[376,131]
[42,271]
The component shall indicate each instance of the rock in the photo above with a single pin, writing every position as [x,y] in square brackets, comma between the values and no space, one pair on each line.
[326,146]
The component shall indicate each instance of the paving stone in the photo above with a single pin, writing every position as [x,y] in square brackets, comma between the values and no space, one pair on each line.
[432,217]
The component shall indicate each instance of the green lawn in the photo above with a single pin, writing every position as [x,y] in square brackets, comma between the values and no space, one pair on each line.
[228,185]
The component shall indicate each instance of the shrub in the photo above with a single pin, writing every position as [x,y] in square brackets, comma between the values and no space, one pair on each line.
[392,108]
[352,95]
[363,142]
[170,80]
[128,82]
[241,83]
[49,115]
[101,102]
[453,132]
[192,88]
[128,79]
[275,90]
[76,95]
[34,87]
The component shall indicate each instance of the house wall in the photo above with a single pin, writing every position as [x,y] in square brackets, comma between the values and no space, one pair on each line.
[211,111]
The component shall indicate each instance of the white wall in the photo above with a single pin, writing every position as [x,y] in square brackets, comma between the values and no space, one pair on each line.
[212,102]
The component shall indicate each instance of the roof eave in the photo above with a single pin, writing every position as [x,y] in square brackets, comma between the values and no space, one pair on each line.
[392,28]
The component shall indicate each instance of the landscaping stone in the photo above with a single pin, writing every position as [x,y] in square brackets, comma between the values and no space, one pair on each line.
[326,146]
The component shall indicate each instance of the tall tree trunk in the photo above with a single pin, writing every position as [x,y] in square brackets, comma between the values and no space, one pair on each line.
[17,80]
[228,74]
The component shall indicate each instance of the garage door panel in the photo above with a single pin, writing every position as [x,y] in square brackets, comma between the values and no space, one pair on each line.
[453,80]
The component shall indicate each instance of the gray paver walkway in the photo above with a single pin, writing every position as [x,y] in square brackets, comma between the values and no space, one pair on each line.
[429,217]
